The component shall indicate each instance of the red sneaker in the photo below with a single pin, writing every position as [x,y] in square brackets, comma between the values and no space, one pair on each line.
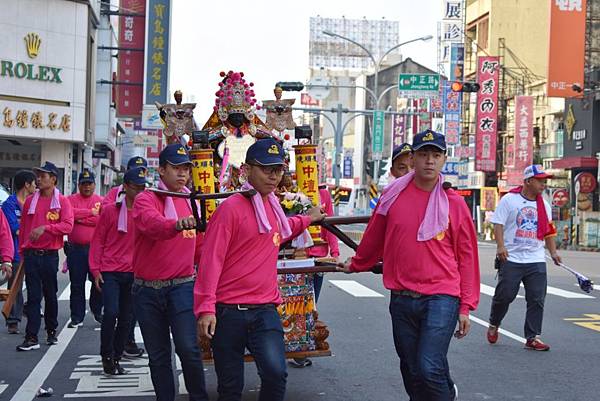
[537,345]
[492,334]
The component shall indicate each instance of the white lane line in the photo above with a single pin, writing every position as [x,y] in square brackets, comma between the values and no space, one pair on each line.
[28,390]
[566,294]
[3,387]
[356,289]
[502,331]
[489,290]
[66,294]
[136,332]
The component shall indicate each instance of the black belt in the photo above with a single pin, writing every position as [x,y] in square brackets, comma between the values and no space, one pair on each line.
[408,293]
[40,252]
[245,306]
[158,284]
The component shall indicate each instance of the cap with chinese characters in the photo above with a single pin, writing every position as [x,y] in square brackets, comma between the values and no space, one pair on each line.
[429,138]
[266,152]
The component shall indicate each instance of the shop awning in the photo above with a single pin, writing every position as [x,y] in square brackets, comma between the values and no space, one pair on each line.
[575,162]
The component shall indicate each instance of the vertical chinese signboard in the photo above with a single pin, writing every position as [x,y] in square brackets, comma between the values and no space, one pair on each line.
[308,184]
[523,145]
[157,51]
[487,114]
[451,115]
[203,175]
[378,123]
[399,126]
[131,62]
[566,47]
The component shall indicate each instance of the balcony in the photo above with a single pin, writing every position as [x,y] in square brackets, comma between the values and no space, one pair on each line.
[551,150]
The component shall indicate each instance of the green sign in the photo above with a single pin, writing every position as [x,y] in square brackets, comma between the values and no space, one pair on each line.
[378,123]
[30,71]
[418,85]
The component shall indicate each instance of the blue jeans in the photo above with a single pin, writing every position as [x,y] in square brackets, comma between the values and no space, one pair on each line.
[117,300]
[261,332]
[160,311]
[40,278]
[423,328]
[79,271]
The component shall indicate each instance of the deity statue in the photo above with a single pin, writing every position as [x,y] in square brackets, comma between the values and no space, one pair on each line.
[178,118]
[279,112]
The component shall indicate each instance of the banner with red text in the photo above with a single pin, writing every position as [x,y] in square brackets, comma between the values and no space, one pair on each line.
[487,114]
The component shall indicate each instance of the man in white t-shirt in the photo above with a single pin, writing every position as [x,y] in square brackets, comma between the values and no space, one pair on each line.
[522,224]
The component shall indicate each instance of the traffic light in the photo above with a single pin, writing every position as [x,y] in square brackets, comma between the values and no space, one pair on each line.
[290,86]
[465,87]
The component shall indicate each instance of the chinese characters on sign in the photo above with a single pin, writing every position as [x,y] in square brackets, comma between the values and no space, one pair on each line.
[22,119]
[567,47]
[157,50]
[131,62]
[487,114]
[450,27]
[308,180]
[399,126]
[523,151]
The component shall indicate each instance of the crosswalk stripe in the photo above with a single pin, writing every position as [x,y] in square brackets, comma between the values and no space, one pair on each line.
[66,294]
[489,290]
[502,331]
[356,289]
[566,294]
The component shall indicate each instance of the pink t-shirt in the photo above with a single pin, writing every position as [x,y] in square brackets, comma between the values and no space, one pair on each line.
[238,265]
[58,223]
[330,242]
[111,196]
[111,250]
[160,251]
[447,264]
[7,248]
[84,218]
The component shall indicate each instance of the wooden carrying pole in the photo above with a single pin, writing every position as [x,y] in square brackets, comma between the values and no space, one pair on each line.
[15,288]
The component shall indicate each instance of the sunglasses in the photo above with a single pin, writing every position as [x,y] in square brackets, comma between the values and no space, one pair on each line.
[270,170]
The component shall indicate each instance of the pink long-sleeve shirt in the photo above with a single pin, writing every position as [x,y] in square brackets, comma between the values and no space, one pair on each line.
[58,223]
[447,264]
[111,250]
[238,265]
[7,247]
[86,215]
[111,195]
[160,251]
[330,242]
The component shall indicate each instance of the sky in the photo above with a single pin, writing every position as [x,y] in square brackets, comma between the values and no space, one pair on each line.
[268,40]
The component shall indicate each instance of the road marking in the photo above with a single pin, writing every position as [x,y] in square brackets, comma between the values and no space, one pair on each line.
[591,321]
[489,290]
[566,294]
[356,289]
[502,331]
[28,390]
[3,387]
[66,294]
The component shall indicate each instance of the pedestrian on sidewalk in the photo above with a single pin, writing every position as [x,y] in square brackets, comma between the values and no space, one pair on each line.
[116,195]
[165,254]
[402,161]
[236,292]
[24,185]
[111,258]
[47,217]
[427,240]
[86,210]
[522,224]
[7,248]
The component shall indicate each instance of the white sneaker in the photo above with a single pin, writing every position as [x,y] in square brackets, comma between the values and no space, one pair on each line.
[455,392]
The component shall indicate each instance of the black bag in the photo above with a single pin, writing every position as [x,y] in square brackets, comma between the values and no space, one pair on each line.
[497,263]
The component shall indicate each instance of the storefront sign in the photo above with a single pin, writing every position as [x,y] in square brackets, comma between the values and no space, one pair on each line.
[157,51]
[29,71]
[398,130]
[487,113]
[587,182]
[560,198]
[489,198]
[24,119]
[523,148]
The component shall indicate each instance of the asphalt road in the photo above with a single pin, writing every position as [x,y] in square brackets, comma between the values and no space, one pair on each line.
[364,365]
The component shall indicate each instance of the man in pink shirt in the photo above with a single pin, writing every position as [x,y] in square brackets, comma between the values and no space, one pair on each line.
[47,217]
[7,248]
[86,210]
[164,258]
[117,193]
[111,257]
[236,292]
[429,248]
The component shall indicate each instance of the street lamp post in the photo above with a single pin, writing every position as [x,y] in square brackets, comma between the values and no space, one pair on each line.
[377,66]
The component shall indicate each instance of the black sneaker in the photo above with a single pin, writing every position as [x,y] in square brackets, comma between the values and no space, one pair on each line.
[132,350]
[108,366]
[51,339]
[98,317]
[300,362]
[29,344]
[73,324]
[118,369]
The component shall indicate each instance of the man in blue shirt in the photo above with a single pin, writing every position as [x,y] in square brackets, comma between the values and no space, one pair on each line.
[24,185]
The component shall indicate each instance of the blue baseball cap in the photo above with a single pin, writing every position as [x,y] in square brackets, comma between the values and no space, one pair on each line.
[265,152]
[49,168]
[535,171]
[86,175]
[401,149]
[137,161]
[136,175]
[174,154]
[429,138]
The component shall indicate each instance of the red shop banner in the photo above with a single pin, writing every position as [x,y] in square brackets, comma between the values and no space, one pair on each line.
[523,152]
[132,31]
[487,114]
